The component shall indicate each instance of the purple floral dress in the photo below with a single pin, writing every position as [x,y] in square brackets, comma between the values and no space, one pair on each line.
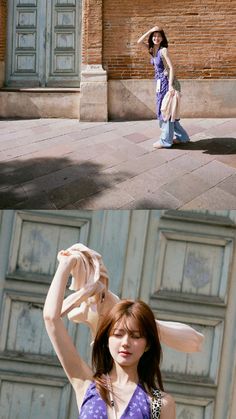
[94,407]
[163,80]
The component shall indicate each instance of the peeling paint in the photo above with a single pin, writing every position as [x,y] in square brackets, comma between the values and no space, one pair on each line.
[196,269]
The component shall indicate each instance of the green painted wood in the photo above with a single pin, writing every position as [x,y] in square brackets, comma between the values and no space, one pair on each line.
[141,249]
[25,58]
[37,240]
[29,400]
[63,46]
[113,245]
[44,43]
[189,257]
[135,254]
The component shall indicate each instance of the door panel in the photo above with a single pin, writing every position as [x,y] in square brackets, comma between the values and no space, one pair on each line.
[63,50]
[44,43]
[189,262]
[26,20]
[26,398]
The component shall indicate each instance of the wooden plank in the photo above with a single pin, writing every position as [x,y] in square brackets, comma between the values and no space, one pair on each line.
[63,47]
[199,363]
[38,248]
[133,263]
[114,238]
[174,362]
[197,273]
[172,265]
[189,412]
[151,257]
[22,400]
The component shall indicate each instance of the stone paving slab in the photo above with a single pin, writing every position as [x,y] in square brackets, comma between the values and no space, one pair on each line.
[154,200]
[229,160]
[229,185]
[213,198]
[187,187]
[64,163]
[214,172]
[112,198]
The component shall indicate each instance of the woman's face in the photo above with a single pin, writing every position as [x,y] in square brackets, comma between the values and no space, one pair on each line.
[125,343]
[157,38]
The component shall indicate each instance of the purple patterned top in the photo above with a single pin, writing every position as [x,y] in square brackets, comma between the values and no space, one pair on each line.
[94,407]
[163,79]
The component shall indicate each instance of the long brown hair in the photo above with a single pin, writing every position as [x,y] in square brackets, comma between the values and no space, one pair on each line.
[149,363]
[164,42]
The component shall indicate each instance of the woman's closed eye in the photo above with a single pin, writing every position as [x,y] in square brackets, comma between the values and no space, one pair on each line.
[120,333]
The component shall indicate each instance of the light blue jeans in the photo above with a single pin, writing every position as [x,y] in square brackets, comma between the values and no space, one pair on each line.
[168,130]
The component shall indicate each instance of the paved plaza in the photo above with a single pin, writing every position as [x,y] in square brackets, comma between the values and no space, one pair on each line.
[64,163]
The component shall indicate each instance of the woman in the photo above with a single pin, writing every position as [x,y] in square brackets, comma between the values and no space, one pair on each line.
[125,358]
[157,46]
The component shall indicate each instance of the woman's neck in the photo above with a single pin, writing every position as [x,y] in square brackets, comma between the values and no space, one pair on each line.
[156,49]
[122,376]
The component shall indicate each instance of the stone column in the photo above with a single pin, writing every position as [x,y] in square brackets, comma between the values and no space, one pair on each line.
[93,86]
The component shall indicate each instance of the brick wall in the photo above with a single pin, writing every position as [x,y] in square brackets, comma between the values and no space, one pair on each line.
[3,16]
[92,32]
[201,34]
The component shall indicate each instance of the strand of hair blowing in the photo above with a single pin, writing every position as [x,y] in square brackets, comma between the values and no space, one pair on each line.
[149,365]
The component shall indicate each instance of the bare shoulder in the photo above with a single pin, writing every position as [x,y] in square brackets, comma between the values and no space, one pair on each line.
[164,51]
[168,408]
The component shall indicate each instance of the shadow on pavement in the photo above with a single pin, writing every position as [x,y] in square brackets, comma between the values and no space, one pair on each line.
[212,146]
[51,183]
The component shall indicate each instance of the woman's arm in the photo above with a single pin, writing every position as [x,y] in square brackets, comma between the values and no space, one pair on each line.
[142,38]
[179,336]
[168,409]
[75,368]
[165,54]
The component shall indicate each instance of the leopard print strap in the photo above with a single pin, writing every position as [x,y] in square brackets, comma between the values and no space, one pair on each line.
[156,404]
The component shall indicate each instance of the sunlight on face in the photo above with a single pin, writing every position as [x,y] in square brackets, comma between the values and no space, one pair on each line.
[157,38]
[126,344]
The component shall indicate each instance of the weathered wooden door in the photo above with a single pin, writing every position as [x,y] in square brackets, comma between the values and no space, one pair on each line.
[44,43]
[190,266]
[183,264]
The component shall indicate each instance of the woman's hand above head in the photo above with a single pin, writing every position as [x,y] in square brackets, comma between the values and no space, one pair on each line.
[141,40]
[155,29]
[66,258]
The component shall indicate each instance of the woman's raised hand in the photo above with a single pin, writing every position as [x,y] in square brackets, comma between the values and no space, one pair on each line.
[155,29]
[65,257]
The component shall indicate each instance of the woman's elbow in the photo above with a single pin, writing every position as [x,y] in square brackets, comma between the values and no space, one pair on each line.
[49,317]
